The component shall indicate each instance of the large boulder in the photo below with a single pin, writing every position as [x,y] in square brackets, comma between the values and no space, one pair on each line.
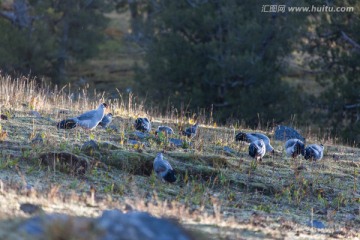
[138,225]
[113,224]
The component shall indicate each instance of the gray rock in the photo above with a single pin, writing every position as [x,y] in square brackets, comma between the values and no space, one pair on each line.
[141,135]
[132,142]
[30,208]
[36,226]
[284,133]
[108,146]
[35,113]
[113,128]
[138,225]
[176,142]
[90,145]
[229,151]
[113,224]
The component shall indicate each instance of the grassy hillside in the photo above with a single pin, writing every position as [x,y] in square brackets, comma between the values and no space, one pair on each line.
[220,190]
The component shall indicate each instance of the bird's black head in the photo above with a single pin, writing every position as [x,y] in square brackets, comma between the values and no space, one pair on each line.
[308,154]
[241,136]
[170,176]
[186,133]
[105,105]
[138,123]
[61,124]
[299,148]
[252,150]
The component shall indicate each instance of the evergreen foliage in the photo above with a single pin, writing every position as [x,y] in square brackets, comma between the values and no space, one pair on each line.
[60,32]
[225,54]
[335,49]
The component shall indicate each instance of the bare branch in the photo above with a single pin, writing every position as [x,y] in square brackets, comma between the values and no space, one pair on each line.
[8,15]
[196,3]
[352,106]
[20,15]
[191,3]
[351,41]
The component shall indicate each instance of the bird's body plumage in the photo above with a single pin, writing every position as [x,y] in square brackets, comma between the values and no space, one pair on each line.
[167,130]
[142,124]
[67,124]
[294,147]
[257,149]
[191,131]
[163,169]
[88,120]
[314,152]
[106,120]
[251,137]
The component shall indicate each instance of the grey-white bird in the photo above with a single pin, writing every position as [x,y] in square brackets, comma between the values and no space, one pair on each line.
[142,124]
[257,149]
[167,130]
[250,137]
[314,152]
[163,169]
[106,120]
[191,131]
[294,147]
[88,120]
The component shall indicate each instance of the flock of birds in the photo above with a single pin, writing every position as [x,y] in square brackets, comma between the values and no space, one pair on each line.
[259,143]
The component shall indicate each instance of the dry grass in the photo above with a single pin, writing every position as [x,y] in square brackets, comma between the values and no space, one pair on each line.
[226,194]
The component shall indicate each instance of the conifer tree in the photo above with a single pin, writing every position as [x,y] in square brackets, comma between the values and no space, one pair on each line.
[225,54]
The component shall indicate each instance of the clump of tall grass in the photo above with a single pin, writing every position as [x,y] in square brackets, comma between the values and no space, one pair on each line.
[20,92]
[26,92]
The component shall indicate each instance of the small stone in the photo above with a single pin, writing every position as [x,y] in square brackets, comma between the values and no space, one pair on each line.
[316,224]
[320,211]
[30,208]
[128,207]
[176,142]
[229,151]
[141,135]
[132,142]
[35,113]
[90,145]
[109,146]
[113,128]
[301,167]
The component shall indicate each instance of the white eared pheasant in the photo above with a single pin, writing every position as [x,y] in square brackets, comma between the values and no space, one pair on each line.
[88,120]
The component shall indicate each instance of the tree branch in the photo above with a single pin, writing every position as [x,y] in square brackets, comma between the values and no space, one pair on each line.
[352,106]
[20,15]
[351,41]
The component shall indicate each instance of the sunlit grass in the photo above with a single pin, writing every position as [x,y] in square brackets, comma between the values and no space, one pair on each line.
[227,190]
